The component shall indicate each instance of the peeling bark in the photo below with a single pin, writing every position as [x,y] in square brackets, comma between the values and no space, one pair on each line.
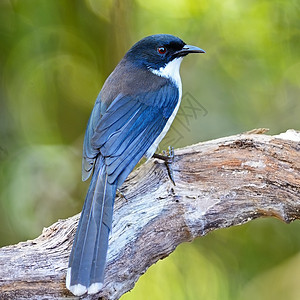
[219,184]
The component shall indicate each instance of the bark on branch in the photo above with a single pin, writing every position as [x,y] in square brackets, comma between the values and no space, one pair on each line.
[219,183]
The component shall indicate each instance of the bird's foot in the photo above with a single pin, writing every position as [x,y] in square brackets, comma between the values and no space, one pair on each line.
[168,158]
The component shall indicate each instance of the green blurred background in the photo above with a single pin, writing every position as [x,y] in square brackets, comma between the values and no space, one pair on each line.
[54,58]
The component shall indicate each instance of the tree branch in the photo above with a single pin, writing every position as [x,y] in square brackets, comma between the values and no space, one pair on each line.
[219,184]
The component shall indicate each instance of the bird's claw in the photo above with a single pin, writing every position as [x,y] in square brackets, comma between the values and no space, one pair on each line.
[120,194]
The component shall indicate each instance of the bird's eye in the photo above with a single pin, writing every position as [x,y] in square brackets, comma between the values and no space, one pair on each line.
[161,50]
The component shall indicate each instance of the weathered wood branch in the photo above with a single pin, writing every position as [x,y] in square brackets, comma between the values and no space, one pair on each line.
[219,183]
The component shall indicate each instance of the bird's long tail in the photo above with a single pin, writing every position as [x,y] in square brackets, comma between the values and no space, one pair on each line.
[88,256]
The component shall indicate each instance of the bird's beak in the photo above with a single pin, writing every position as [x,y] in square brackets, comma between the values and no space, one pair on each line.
[188,49]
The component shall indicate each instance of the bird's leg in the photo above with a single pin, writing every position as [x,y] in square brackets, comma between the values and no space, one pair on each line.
[168,158]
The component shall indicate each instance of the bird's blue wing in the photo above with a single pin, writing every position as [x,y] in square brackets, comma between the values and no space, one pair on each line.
[89,153]
[127,128]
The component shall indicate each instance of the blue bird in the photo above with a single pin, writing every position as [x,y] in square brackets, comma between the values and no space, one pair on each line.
[133,112]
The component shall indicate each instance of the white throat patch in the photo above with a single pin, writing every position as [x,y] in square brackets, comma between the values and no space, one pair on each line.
[170,70]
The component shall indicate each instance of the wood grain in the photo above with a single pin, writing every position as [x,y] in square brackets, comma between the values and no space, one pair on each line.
[219,184]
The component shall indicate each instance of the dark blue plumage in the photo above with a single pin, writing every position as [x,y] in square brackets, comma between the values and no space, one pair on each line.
[132,113]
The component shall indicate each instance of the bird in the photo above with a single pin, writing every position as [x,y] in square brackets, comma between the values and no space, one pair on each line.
[132,113]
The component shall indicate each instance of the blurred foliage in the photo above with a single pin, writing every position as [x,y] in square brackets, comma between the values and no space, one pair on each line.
[54,58]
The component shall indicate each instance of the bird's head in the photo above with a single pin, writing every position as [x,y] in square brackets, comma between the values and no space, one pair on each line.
[156,51]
